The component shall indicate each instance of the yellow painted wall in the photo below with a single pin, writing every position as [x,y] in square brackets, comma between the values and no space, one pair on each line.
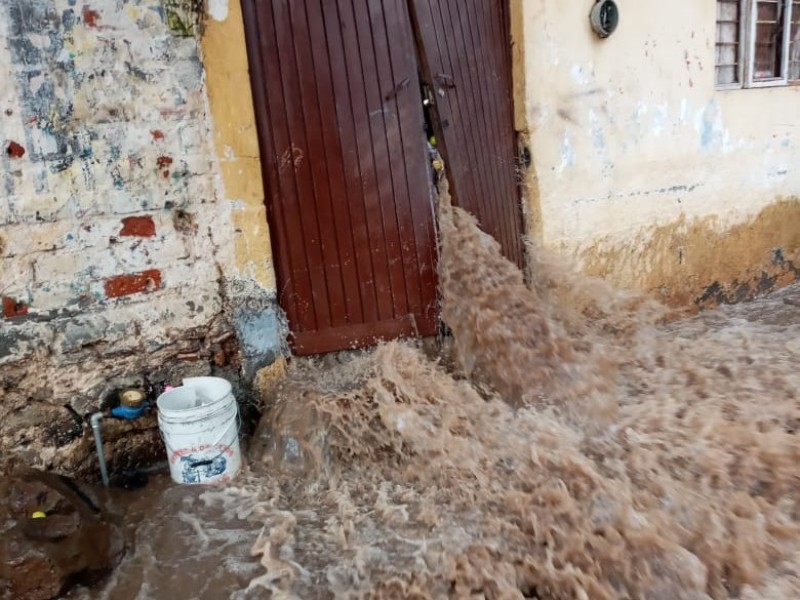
[236,138]
[643,171]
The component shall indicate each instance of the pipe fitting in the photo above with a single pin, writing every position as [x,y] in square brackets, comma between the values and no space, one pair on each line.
[94,421]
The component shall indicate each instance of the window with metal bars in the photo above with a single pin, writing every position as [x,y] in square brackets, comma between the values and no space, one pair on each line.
[758,43]
[794,42]
[729,37]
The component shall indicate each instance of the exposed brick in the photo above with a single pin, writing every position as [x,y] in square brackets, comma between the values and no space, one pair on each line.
[13,308]
[137,283]
[90,17]
[15,150]
[138,227]
[68,242]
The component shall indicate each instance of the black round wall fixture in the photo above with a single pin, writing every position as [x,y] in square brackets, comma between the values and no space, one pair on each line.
[604,17]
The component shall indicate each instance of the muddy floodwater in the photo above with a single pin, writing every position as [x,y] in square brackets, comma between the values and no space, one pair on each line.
[570,441]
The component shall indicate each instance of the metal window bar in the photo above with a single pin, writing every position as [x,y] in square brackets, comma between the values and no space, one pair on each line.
[767,59]
[794,42]
[769,42]
[728,64]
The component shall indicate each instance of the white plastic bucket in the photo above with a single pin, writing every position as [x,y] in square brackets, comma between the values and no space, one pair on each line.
[200,427]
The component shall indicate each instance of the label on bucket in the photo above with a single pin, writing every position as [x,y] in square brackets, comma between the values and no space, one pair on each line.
[204,463]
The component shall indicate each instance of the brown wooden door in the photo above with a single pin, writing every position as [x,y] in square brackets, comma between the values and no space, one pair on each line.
[466,59]
[349,198]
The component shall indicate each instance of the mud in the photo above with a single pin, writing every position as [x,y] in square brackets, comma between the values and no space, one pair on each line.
[183,542]
[570,444]
[54,532]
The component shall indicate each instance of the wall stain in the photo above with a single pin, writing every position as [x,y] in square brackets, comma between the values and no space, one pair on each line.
[698,264]
[163,163]
[532,203]
[45,79]
[184,221]
[183,17]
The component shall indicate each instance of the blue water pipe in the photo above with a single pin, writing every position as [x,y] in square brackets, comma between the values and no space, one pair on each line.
[127,413]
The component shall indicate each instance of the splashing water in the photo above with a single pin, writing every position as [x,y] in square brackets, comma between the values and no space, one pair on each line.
[578,448]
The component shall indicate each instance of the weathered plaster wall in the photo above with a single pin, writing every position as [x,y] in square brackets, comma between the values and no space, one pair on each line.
[130,236]
[642,170]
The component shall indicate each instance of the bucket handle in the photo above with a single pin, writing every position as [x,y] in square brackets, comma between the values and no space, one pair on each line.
[208,461]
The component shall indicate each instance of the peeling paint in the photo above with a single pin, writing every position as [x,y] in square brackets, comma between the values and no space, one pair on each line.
[218,9]
[237,146]
[580,75]
[567,154]
[711,128]
[660,119]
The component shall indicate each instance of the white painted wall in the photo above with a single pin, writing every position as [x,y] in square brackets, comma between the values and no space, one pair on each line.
[629,132]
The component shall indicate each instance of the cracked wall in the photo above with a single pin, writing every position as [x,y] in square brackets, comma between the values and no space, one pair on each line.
[642,171]
[128,245]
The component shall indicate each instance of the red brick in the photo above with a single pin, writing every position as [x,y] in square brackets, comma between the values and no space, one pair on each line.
[136,283]
[157,134]
[164,161]
[13,308]
[138,227]
[15,150]
[90,17]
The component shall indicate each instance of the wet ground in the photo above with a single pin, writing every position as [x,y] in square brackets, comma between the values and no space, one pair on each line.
[183,543]
[193,542]
[571,446]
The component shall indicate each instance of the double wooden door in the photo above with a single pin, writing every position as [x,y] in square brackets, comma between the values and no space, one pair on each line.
[337,86]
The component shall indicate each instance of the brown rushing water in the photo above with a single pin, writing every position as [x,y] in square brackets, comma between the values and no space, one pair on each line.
[573,449]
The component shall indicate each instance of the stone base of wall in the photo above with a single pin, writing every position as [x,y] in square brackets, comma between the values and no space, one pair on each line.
[47,400]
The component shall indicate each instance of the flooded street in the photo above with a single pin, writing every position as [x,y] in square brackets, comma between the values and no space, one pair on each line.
[570,444]
[181,545]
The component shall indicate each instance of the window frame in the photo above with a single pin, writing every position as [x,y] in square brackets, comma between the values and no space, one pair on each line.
[793,19]
[744,47]
[748,20]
